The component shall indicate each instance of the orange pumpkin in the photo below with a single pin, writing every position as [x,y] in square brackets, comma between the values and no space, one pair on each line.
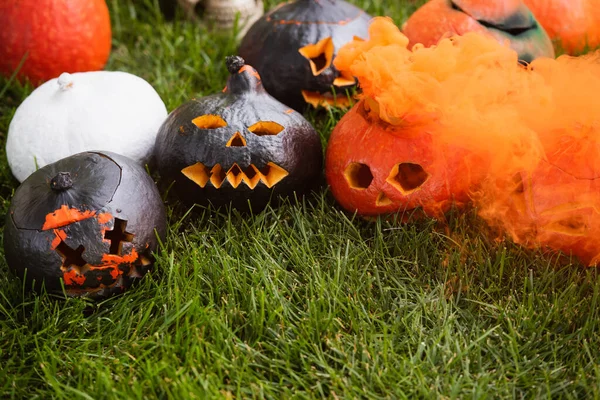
[574,24]
[53,36]
[554,207]
[505,20]
[374,167]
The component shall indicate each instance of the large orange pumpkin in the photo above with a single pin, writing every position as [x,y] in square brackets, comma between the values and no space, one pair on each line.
[374,167]
[574,24]
[53,36]
[505,20]
[555,206]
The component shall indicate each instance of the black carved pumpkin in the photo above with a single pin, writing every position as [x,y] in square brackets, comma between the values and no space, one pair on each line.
[88,220]
[293,47]
[238,147]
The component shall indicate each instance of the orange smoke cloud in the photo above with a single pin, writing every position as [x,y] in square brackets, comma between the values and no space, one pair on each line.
[535,129]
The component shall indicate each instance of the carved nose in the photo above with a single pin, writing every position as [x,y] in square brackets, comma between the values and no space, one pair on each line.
[237,140]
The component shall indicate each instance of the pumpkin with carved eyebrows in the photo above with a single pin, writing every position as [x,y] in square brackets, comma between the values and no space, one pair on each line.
[293,47]
[238,147]
[89,222]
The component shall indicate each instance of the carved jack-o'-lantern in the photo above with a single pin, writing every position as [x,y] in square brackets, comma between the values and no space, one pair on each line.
[241,146]
[503,19]
[374,167]
[88,220]
[293,47]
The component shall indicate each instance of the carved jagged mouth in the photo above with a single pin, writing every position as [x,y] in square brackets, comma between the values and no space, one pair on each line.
[269,175]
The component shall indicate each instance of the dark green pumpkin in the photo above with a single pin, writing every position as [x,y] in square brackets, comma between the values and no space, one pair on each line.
[293,46]
[88,220]
[240,147]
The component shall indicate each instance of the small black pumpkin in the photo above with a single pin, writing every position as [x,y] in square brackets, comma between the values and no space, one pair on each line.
[238,147]
[87,220]
[293,47]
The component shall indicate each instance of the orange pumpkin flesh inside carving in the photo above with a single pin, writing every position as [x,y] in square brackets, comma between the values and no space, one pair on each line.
[85,225]
[574,24]
[463,120]
[505,20]
[56,36]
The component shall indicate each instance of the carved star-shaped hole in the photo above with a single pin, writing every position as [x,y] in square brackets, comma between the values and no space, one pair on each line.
[118,236]
[72,258]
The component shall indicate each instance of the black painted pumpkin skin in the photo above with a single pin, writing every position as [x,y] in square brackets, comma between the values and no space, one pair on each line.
[240,147]
[293,46]
[88,220]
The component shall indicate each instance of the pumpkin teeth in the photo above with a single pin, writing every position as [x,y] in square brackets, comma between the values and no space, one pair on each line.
[269,175]
[234,175]
[272,174]
[407,177]
[345,79]
[199,173]
[326,100]
[251,176]
[217,176]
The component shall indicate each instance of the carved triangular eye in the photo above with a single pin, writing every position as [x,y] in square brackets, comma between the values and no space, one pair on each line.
[264,128]
[209,121]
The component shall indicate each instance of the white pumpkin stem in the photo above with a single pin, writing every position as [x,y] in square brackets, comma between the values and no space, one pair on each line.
[65,81]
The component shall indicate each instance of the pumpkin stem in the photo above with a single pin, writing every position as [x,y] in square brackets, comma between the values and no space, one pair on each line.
[65,81]
[234,63]
[62,181]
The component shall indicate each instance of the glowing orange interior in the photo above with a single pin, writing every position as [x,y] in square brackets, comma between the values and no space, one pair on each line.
[320,55]
[358,175]
[326,100]
[209,121]
[345,79]
[198,173]
[407,177]
[237,140]
[382,200]
[269,175]
[265,128]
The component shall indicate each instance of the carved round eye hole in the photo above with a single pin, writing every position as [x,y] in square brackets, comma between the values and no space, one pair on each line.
[209,121]
[358,175]
[265,128]
[320,55]
[407,177]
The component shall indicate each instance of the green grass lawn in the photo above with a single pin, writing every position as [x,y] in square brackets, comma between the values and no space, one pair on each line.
[301,301]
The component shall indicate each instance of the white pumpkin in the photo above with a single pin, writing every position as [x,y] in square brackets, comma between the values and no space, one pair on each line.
[100,110]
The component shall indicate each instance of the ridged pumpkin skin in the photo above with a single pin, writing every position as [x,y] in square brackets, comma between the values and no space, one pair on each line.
[278,45]
[376,168]
[90,220]
[240,147]
[57,36]
[503,19]
[574,24]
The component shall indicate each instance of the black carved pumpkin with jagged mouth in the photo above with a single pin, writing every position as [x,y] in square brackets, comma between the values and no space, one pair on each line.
[88,223]
[293,48]
[240,147]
